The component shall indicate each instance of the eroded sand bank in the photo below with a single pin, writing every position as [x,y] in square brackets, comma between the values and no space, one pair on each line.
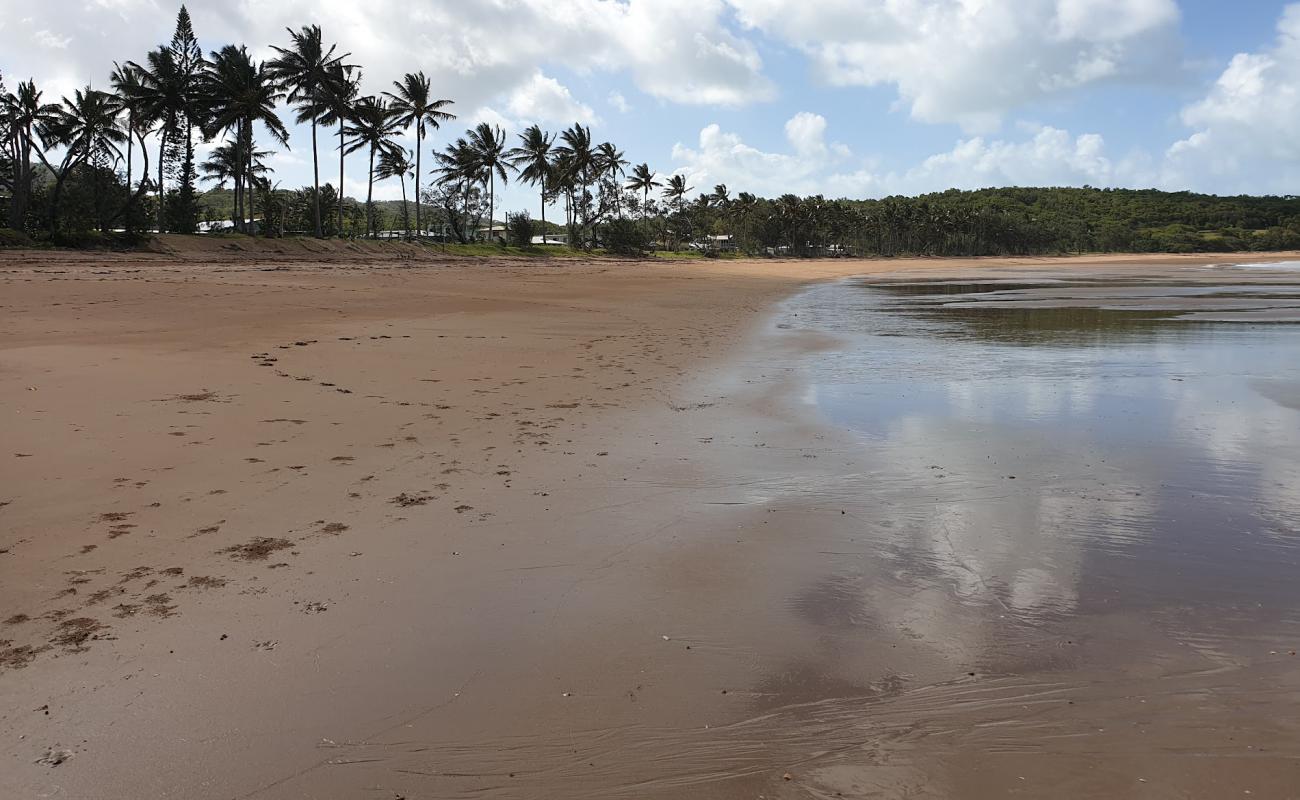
[351,527]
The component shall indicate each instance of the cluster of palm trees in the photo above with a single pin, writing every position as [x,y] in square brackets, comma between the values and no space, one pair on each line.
[176,93]
[586,176]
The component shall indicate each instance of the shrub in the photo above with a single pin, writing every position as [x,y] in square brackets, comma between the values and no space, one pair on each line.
[625,237]
[520,229]
[12,238]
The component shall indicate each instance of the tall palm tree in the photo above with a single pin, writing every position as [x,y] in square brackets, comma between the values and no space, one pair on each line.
[610,163]
[488,142]
[397,163]
[87,128]
[26,116]
[304,69]
[578,150]
[643,180]
[676,190]
[129,98]
[532,160]
[458,164]
[564,181]
[344,86]
[163,101]
[241,94]
[414,104]
[226,163]
[373,126]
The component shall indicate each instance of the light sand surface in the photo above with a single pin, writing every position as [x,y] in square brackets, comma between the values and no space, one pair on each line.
[333,524]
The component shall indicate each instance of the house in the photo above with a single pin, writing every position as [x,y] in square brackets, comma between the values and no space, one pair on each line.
[492,233]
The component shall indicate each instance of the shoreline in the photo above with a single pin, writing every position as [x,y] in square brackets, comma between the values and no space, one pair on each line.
[546,473]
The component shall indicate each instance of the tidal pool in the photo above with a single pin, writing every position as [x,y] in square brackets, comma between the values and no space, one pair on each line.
[1055,448]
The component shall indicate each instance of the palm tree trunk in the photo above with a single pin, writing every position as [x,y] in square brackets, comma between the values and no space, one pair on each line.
[419,228]
[162,156]
[492,202]
[340,230]
[239,185]
[370,193]
[252,187]
[543,210]
[130,148]
[315,177]
[406,217]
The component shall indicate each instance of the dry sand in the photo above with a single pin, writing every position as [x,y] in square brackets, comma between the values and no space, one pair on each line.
[318,521]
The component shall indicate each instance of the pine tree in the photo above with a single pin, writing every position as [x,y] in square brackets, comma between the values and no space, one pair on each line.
[190,67]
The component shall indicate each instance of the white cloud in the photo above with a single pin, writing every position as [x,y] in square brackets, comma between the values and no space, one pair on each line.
[46,39]
[1246,130]
[1050,157]
[806,132]
[969,61]
[677,50]
[618,102]
[1045,156]
[721,157]
[545,99]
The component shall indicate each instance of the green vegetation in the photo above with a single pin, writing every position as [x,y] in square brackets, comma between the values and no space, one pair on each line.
[79,172]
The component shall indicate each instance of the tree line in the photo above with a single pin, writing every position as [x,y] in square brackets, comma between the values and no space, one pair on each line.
[84,163]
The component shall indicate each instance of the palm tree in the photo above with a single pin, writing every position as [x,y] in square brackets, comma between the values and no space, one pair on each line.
[488,142]
[676,190]
[129,97]
[581,162]
[458,164]
[87,127]
[241,94]
[374,126]
[564,181]
[643,180]
[305,69]
[610,164]
[26,116]
[531,159]
[163,102]
[225,163]
[414,105]
[397,163]
[344,86]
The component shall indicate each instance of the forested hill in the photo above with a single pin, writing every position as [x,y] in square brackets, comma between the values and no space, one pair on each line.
[1045,220]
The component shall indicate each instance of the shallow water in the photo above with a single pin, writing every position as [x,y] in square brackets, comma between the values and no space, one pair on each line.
[1048,450]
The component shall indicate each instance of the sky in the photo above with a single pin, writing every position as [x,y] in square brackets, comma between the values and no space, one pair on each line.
[846,98]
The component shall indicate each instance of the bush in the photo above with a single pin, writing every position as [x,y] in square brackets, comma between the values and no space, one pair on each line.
[12,238]
[95,240]
[520,229]
[625,237]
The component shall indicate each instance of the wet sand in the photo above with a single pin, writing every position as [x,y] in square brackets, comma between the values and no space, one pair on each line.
[338,525]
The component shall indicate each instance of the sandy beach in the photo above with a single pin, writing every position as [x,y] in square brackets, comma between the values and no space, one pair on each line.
[295,521]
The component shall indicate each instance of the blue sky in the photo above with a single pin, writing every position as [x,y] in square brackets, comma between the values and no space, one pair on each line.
[854,98]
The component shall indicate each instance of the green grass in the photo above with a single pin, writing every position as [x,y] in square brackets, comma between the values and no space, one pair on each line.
[489,249]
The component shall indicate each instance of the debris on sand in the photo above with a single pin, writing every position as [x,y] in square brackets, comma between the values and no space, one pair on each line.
[407,500]
[18,657]
[54,756]
[259,548]
[334,527]
[74,633]
[205,582]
